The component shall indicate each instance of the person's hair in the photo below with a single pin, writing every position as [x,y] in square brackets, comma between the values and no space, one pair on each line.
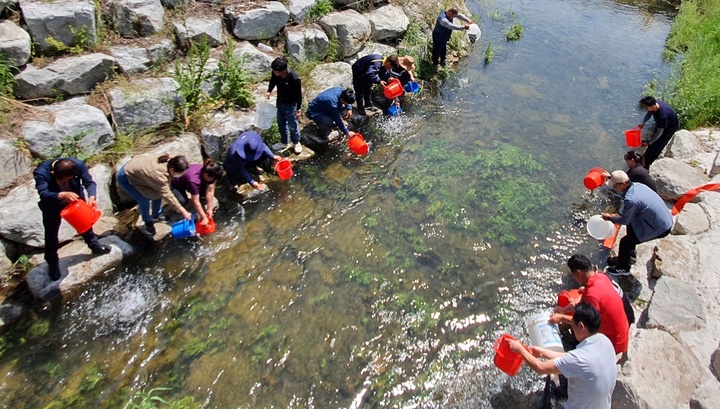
[213,169]
[393,59]
[348,95]
[63,168]
[588,315]
[178,163]
[633,156]
[279,64]
[579,262]
[648,101]
[453,10]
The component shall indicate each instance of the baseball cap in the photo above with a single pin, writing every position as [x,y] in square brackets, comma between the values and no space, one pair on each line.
[618,176]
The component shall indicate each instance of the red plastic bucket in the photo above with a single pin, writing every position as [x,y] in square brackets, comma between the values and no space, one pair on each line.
[505,359]
[393,89]
[284,169]
[358,145]
[633,137]
[80,215]
[205,229]
[565,296]
[595,178]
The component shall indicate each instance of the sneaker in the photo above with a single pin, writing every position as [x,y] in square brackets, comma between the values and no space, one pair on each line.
[100,249]
[289,146]
[150,228]
[54,272]
[613,271]
[298,148]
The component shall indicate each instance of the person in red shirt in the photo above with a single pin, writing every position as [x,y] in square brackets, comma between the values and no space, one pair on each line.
[600,293]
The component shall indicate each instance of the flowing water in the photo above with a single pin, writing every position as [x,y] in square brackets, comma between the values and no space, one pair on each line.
[376,281]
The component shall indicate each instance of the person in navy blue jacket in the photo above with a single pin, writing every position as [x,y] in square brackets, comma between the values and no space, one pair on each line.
[443,31]
[325,110]
[666,124]
[243,158]
[368,70]
[60,182]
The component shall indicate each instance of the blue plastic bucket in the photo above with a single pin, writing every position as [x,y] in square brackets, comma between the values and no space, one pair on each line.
[394,110]
[412,87]
[184,228]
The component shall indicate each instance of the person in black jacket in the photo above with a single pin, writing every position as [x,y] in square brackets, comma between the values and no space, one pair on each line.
[289,102]
[59,183]
[443,31]
[636,172]
[368,70]
[666,124]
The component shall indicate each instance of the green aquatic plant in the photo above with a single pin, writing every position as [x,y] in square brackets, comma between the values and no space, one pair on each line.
[93,374]
[489,53]
[515,32]
[358,275]
[507,188]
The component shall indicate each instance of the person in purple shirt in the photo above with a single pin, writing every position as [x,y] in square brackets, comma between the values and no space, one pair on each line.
[198,180]
[666,124]
[243,158]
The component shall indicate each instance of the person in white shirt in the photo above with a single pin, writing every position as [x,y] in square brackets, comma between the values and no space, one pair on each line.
[590,368]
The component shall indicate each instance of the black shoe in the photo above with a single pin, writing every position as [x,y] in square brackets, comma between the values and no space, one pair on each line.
[54,272]
[361,111]
[612,261]
[100,249]
[150,228]
[617,272]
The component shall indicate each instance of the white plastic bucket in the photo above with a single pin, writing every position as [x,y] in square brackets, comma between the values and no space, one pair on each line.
[600,229]
[473,33]
[542,334]
[265,115]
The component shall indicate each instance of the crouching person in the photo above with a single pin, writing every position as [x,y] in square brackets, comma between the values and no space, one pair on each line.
[243,158]
[326,110]
[60,182]
[590,368]
[199,180]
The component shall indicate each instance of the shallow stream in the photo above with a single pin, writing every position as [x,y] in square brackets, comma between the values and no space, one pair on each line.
[376,281]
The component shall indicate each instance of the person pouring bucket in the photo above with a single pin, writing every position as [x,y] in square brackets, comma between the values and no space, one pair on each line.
[243,158]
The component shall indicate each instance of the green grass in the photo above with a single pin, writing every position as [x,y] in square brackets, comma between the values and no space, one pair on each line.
[694,42]
[515,32]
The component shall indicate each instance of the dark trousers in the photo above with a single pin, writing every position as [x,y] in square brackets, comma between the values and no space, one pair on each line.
[656,148]
[627,246]
[363,91]
[51,223]
[320,141]
[439,52]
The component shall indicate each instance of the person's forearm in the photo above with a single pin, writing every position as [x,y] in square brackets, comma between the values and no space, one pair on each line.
[198,206]
[448,24]
[655,136]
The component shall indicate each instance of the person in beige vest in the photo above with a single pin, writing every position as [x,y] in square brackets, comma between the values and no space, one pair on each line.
[147,179]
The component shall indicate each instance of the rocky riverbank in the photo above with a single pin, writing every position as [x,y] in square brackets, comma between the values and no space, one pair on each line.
[674,359]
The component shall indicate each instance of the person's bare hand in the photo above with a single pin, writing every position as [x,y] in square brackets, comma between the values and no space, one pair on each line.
[267,95]
[69,196]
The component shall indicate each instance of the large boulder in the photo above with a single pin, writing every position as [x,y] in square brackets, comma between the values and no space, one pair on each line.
[349,27]
[660,373]
[137,18]
[194,30]
[75,123]
[300,8]
[139,59]
[309,43]
[257,23]
[674,178]
[15,46]
[255,62]
[144,103]
[77,266]
[372,48]
[696,147]
[706,396]
[67,76]
[691,220]
[675,256]
[675,307]
[67,22]
[387,23]
[21,218]
[324,76]
[14,163]
[223,127]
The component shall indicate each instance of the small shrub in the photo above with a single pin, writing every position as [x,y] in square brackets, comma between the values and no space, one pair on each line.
[334,53]
[82,42]
[70,146]
[320,9]
[7,79]
[515,32]
[233,80]
[191,77]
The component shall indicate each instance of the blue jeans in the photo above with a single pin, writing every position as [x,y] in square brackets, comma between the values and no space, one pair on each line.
[286,119]
[143,202]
